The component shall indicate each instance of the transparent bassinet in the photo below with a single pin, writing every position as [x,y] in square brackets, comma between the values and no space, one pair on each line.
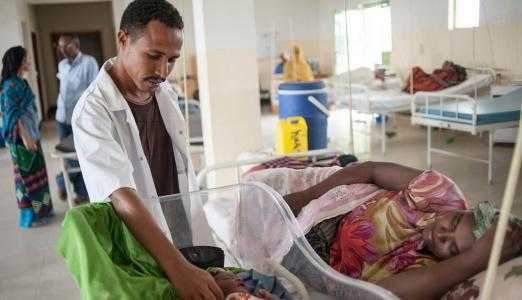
[257,230]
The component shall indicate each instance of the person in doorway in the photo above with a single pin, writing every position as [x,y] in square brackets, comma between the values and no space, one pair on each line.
[22,136]
[131,141]
[280,66]
[297,69]
[75,72]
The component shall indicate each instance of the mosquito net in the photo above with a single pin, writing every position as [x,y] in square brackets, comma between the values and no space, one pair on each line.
[257,230]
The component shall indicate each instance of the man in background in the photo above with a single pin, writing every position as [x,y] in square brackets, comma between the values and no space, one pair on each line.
[75,72]
[279,69]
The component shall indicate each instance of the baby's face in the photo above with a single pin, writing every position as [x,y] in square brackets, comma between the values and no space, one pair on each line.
[229,282]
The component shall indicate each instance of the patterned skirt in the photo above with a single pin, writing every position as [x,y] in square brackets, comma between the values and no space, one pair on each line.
[321,236]
[32,187]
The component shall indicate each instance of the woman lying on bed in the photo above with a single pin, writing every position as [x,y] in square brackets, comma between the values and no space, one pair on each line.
[414,236]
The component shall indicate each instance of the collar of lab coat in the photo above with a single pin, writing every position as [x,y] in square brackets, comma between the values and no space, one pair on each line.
[166,98]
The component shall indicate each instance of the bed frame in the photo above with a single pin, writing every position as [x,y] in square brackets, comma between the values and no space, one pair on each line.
[369,108]
[66,171]
[422,117]
[236,164]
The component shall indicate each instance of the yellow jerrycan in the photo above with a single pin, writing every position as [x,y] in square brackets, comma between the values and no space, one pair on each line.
[291,135]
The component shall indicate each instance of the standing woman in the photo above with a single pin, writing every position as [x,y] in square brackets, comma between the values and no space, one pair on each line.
[22,136]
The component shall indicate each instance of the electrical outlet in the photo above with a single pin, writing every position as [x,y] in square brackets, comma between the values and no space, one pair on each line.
[421,49]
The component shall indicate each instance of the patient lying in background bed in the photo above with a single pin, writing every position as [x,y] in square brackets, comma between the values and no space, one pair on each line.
[408,225]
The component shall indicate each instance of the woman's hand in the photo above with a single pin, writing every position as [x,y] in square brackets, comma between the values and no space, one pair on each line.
[193,283]
[511,248]
[29,143]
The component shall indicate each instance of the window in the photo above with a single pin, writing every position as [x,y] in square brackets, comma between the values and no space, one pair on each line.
[370,36]
[463,14]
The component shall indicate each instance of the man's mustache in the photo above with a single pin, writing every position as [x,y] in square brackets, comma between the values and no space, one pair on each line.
[157,79]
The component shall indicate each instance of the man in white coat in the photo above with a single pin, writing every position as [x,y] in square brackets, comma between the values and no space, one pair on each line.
[131,140]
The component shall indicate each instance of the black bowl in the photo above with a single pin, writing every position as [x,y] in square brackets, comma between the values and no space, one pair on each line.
[204,257]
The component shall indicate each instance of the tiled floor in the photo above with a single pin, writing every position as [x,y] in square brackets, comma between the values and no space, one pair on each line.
[30,267]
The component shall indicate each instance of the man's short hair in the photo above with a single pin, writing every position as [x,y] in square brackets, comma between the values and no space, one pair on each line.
[140,12]
[73,38]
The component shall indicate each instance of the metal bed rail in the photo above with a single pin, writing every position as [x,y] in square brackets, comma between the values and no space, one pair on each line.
[236,164]
[431,100]
[66,171]
[367,107]
[457,122]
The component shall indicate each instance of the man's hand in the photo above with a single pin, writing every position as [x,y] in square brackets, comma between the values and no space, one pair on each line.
[192,283]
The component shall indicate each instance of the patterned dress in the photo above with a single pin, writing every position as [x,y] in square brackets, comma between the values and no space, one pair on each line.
[383,236]
[380,237]
[31,183]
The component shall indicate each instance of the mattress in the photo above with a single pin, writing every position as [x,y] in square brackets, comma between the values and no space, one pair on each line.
[396,99]
[505,108]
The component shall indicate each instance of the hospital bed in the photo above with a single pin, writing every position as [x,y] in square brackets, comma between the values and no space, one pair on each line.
[234,224]
[467,114]
[392,99]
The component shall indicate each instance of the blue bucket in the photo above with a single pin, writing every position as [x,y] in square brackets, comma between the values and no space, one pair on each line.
[293,101]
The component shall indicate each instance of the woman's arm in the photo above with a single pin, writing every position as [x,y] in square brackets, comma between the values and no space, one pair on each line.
[389,176]
[434,281]
[27,139]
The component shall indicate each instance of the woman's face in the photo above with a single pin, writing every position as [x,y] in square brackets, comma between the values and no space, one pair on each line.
[450,234]
[25,67]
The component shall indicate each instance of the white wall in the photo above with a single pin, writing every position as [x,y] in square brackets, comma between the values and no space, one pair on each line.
[228,79]
[307,23]
[421,36]
[189,47]
[13,33]
[294,22]
[118,7]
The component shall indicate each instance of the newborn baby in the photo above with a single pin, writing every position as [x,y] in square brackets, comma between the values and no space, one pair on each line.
[234,287]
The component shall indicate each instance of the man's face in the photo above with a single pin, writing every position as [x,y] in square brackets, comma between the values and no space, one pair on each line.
[67,47]
[149,57]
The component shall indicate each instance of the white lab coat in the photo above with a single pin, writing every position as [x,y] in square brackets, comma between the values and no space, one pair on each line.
[109,150]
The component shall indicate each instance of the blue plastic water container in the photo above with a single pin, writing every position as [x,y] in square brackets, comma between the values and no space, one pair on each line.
[293,101]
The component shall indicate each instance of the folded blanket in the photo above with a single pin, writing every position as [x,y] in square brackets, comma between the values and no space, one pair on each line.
[449,75]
